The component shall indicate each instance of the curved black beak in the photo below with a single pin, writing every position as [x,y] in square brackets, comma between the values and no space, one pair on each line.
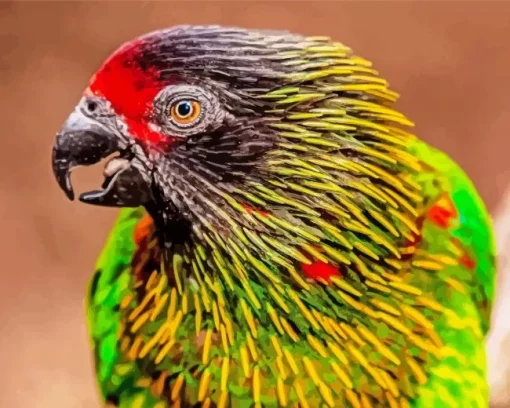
[82,141]
[79,142]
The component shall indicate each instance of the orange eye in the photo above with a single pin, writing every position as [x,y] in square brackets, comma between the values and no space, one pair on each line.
[185,112]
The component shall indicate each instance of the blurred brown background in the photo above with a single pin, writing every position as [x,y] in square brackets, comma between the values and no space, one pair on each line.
[449,60]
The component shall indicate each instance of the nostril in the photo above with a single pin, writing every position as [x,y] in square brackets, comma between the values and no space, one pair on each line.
[91,106]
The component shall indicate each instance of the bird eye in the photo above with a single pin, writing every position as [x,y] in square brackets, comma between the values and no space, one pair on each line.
[185,112]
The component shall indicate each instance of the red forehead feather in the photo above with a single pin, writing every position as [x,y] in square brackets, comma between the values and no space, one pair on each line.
[130,88]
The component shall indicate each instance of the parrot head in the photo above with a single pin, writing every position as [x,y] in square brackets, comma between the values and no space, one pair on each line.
[181,115]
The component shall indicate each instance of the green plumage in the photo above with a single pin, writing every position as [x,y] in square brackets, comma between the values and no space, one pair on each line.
[404,323]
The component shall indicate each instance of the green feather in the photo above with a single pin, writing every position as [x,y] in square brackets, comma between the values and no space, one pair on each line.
[109,284]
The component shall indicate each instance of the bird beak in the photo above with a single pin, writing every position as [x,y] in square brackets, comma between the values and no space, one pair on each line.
[83,141]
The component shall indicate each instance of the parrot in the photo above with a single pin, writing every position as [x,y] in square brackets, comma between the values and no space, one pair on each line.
[283,238]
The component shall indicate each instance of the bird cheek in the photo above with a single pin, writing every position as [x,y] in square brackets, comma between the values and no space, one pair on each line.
[147,134]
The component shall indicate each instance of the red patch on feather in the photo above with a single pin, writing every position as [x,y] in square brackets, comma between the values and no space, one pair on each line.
[143,229]
[131,89]
[140,129]
[442,212]
[250,210]
[467,261]
[320,270]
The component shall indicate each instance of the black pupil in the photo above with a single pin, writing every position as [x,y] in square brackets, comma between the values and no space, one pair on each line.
[184,109]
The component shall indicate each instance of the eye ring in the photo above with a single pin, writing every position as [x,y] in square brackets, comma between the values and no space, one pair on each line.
[185,112]
[207,111]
